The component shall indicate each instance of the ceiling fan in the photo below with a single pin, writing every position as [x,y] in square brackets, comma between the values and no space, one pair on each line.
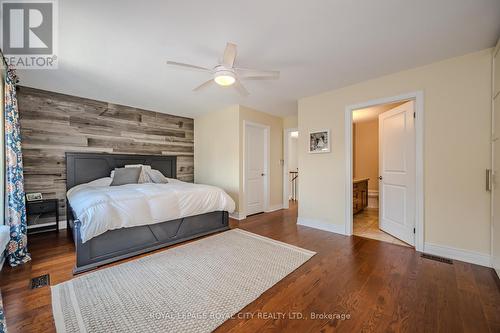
[225,74]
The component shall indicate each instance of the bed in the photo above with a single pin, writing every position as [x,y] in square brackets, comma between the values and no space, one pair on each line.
[120,243]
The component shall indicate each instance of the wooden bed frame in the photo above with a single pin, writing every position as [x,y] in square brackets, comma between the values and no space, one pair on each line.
[123,243]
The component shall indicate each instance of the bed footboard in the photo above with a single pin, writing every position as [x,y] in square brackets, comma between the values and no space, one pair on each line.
[123,243]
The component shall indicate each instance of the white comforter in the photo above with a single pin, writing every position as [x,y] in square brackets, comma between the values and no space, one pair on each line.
[101,207]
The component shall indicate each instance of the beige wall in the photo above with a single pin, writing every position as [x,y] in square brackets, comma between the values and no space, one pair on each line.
[219,151]
[365,148]
[457,105]
[291,122]
[216,150]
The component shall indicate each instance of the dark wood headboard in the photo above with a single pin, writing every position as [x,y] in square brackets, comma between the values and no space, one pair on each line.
[85,167]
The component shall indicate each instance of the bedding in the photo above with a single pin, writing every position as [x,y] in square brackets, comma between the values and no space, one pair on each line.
[100,207]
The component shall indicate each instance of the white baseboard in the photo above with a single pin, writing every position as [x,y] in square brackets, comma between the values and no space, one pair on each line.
[495,263]
[273,208]
[321,225]
[472,257]
[240,216]
[237,216]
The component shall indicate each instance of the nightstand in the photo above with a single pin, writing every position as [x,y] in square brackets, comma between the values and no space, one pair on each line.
[48,206]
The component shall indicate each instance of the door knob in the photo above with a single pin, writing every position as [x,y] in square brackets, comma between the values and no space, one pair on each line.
[262,174]
[380,177]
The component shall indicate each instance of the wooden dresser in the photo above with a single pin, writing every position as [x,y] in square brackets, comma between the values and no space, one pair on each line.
[359,194]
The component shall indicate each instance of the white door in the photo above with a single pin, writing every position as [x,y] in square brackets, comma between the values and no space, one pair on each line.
[397,172]
[255,161]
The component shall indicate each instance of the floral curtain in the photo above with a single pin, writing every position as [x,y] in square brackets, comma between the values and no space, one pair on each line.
[17,251]
[3,323]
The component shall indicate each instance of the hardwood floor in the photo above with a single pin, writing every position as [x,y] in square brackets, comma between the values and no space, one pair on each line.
[382,287]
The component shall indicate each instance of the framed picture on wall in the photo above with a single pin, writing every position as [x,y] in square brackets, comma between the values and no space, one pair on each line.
[319,141]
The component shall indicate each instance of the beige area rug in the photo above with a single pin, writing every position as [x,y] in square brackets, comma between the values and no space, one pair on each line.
[191,288]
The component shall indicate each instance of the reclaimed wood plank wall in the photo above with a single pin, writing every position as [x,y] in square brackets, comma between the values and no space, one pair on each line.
[52,124]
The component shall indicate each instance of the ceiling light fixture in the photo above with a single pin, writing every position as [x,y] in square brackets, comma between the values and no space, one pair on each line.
[226,74]
[224,78]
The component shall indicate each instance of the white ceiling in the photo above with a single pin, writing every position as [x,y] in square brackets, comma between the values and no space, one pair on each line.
[116,50]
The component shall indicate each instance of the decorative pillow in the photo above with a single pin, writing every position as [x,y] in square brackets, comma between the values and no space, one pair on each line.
[144,177]
[157,177]
[123,176]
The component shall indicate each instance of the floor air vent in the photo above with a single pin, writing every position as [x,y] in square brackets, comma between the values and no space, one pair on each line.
[436,258]
[40,281]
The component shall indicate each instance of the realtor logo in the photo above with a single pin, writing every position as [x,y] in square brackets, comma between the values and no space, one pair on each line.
[29,33]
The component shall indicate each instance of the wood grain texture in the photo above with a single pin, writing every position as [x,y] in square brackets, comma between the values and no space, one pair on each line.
[383,287]
[53,124]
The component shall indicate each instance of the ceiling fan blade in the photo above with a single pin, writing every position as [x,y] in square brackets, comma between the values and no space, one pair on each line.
[229,55]
[246,73]
[240,88]
[188,66]
[204,85]
[258,78]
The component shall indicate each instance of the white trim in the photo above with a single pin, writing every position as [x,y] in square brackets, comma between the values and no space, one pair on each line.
[267,154]
[321,225]
[237,216]
[418,97]
[472,257]
[495,261]
[286,186]
[240,216]
[273,208]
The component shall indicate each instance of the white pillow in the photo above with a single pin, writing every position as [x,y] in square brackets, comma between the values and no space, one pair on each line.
[156,176]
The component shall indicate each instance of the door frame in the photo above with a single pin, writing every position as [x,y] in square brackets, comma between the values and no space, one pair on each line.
[267,158]
[286,187]
[494,262]
[418,98]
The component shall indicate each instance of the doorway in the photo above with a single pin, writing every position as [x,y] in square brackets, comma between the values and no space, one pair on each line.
[290,167]
[384,169]
[256,161]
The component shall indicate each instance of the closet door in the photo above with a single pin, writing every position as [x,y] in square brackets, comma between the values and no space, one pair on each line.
[495,237]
